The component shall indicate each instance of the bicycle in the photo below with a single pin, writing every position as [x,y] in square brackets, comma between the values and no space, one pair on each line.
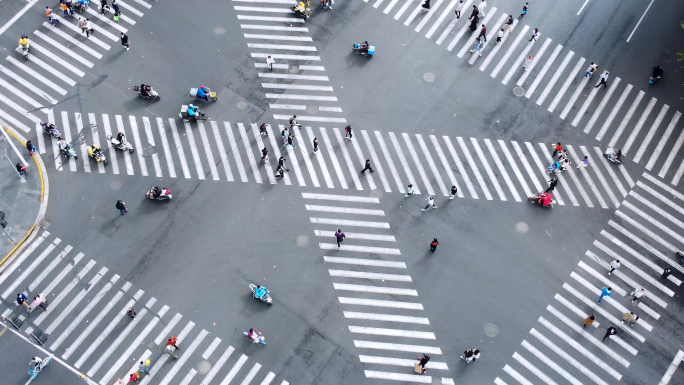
[33,372]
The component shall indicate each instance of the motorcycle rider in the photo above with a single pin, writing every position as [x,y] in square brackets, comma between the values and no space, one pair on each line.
[544,199]
[657,72]
[20,169]
[24,41]
[97,153]
[49,127]
[193,111]
[37,363]
[63,145]
[156,192]
[363,47]
[121,137]
[300,8]
[203,93]
[253,334]
[145,90]
[260,292]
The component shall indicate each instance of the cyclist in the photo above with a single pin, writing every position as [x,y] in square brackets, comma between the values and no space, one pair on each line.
[37,363]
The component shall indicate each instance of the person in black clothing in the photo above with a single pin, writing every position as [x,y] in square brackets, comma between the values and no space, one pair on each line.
[281,163]
[315,145]
[423,361]
[552,184]
[473,23]
[264,155]
[475,13]
[610,332]
[367,167]
[434,244]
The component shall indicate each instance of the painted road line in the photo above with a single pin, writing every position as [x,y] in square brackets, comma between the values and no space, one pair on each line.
[364,275]
[64,49]
[211,348]
[262,9]
[654,222]
[233,371]
[431,163]
[587,102]
[564,88]
[386,318]
[207,150]
[626,119]
[126,154]
[488,169]
[543,71]
[39,77]
[302,97]
[162,360]
[26,84]
[402,9]
[362,160]
[595,289]
[499,381]
[298,87]
[370,237]
[133,10]
[55,144]
[276,152]
[600,107]
[600,276]
[144,4]
[380,303]
[574,308]
[614,111]
[502,170]
[441,18]
[123,16]
[289,38]
[599,174]
[284,47]
[527,166]
[167,148]
[360,249]
[67,289]
[321,160]
[401,362]
[266,380]
[497,46]
[554,78]
[150,142]
[274,28]
[461,169]
[179,148]
[427,17]
[374,158]
[490,37]
[508,53]
[236,153]
[72,41]
[333,158]
[446,165]
[609,168]
[250,154]
[260,144]
[39,134]
[22,111]
[649,136]
[514,166]
[450,26]
[187,353]
[398,376]
[661,197]
[96,321]
[194,150]
[188,377]
[660,211]
[277,56]
[306,155]
[364,262]
[14,286]
[107,21]
[458,36]
[30,101]
[292,155]
[518,377]
[663,186]
[392,332]
[390,162]
[67,137]
[167,329]
[329,109]
[397,347]
[520,61]
[543,358]
[347,158]
[473,167]
[541,168]
[680,171]
[375,289]
[463,50]
[648,247]
[252,373]
[138,144]
[674,151]
[672,368]
[661,145]
[112,150]
[76,300]
[537,59]
[637,128]
[390,6]
[217,366]
[346,222]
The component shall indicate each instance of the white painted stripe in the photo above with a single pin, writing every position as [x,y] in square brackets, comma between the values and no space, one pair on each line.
[282,37]
[663,186]
[440,19]
[15,286]
[194,150]
[293,76]
[138,145]
[252,373]
[585,105]
[76,300]
[65,291]
[277,56]
[112,150]
[41,78]
[574,308]
[502,169]
[150,142]
[370,237]
[260,144]
[431,163]
[672,368]
[609,167]
[188,377]
[661,197]
[599,174]
[133,10]
[457,37]
[488,169]
[21,110]
[401,362]
[303,48]
[208,151]
[306,155]
[346,222]
[211,348]
[426,18]
[360,249]
[72,41]
[167,148]
[386,318]
[329,109]
[30,101]
[417,162]
[469,43]
[508,53]
[250,154]
[375,289]
[304,118]
[276,152]
[365,262]
[661,145]
[554,78]
[39,135]
[396,347]
[447,166]
[347,158]
[167,329]
[55,144]
[266,380]
[321,160]
[144,4]
[297,107]
[234,150]
[575,71]
[473,167]
[376,162]
[288,2]
[302,97]
[67,137]
[452,24]
[263,9]
[26,84]
[398,376]
[614,111]
[390,6]
[187,353]
[109,22]
[380,303]
[543,71]
[520,61]
[680,171]
[490,37]
[499,381]
[333,158]
[600,276]
[516,170]
[64,49]
[497,46]
[390,162]
[126,154]
[218,365]
[637,128]
[345,210]
[626,119]
[600,107]
[649,136]
[461,169]
[402,9]
[392,332]
[542,167]
[274,28]
[122,16]
[528,168]
[543,358]
[517,376]
[537,59]
[362,160]
[652,221]
[162,360]
[364,275]
[652,250]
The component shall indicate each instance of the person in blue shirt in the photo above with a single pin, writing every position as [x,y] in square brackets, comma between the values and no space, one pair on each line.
[203,93]
[260,291]
[193,111]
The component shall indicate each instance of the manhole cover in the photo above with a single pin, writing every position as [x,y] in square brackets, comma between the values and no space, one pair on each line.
[518,91]
[149,151]
[429,77]
[522,227]
[293,69]
[376,194]
[302,241]
[312,110]
[203,367]
[491,330]
[116,184]
[219,31]
[44,224]
[241,105]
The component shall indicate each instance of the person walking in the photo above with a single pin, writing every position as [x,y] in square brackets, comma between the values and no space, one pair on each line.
[339,237]
[131,312]
[409,190]
[367,167]
[281,163]
[264,155]
[452,192]
[279,171]
[474,14]
[528,62]
[584,162]
[173,341]
[613,265]
[116,9]
[666,273]
[590,70]
[30,147]
[535,34]
[348,132]
[23,300]
[500,35]
[481,7]
[38,300]
[293,121]
[145,366]
[430,203]
[64,8]
[588,321]
[605,292]
[478,46]
[604,79]
[459,8]
[285,133]
[103,6]
[434,244]
[121,206]
[133,377]
[270,62]
[263,129]
[558,147]
[552,184]
[611,331]
[509,24]
[89,26]
[422,361]
[290,141]
[483,33]
[70,7]
[526,8]
[630,317]
[563,155]
[315,145]
[637,294]
[125,42]
[470,355]
[82,25]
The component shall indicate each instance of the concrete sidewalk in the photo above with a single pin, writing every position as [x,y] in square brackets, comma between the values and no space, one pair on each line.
[23,200]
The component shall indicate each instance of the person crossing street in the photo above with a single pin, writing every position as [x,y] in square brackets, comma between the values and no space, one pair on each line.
[430,203]
[339,237]
[367,167]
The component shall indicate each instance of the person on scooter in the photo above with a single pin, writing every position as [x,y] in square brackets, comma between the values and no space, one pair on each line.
[24,41]
[253,334]
[546,201]
[260,291]
[657,72]
[203,93]
[121,137]
[617,154]
[193,111]
[363,47]
[97,153]
[63,145]
[156,192]
[145,90]
[300,8]
[20,169]
[37,363]
[49,128]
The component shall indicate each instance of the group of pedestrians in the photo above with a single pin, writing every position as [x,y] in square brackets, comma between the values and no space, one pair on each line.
[477,13]
[38,301]
[85,24]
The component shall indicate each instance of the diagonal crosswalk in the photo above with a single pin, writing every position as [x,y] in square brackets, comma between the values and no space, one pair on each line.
[71,281]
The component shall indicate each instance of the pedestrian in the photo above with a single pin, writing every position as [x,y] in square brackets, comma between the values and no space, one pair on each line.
[367,167]
[459,8]
[82,25]
[315,145]
[613,265]
[279,172]
[426,6]
[470,355]
[483,32]
[563,155]
[48,11]
[556,149]
[103,6]
[290,141]
[116,9]
[64,8]
[584,162]
[564,164]
[293,121]
[173,341]
[666,273]
[133,377]
[39,300]
[281,163]
[70,6]
[53,19]
[630,317]
[144,366]
[509,24]
[348,132]
[339,237]
[590,70]
[285,133]
[552,184]
[422,361]
[121,206]
[263,129]
[452,192]
[500,35]
[30,147]
[528,62]
[474,14]
[473,23]
[131,312]
[430,203]
[270,62]
[264,155]
[526,7]
[409,192]
[604,79]
[21,169]
[637,294]
[588,321]
[124,41]
[434,244]
[481,7]
[611,331]
[478,46]
[89,26]
[535,34]
[605,292]
[22,300]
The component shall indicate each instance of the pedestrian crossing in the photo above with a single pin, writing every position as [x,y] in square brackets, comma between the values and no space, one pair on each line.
[479,168]
[379,301]
[59,56]
[86,323]
[646,130]
[641,237]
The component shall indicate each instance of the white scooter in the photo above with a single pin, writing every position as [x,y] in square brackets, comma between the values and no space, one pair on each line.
[125,146]
[165,194]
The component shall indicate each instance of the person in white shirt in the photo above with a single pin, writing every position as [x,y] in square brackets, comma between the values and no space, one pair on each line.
[481,7]
[614,265]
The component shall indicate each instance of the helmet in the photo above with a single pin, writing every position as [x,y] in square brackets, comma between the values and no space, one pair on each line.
[202,87]
[24,36]
[191,106]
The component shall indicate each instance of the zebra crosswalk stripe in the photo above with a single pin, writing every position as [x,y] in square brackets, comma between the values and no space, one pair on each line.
[447,166]
[333,158]
[64,49]
[276,150]
[67,137]
[403,161]
[502,170]
[516,170]
[600,108]
[138,143]
[471,162]
[260,144]
[78,44]
[167,148]
[564,87]
[441,18]
[469,43]
[609,167]
[321,160]
[640,124]
[126,154]
[517,63]
[433,166]
[306,155]
[234,149]
[544,70]
[626,119]
[488,169]
[375,159]
[537,59]
[150,141]
[509,52]
[519,377]
[57,60]
[250,154]
[42,78]
[555,77]
[541,168]
[528,168]
[347,158]
[362,160]
[29,86]
[390,162]
[193,150]
[82,139]
[112,150]
[96,140]
[661,145]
